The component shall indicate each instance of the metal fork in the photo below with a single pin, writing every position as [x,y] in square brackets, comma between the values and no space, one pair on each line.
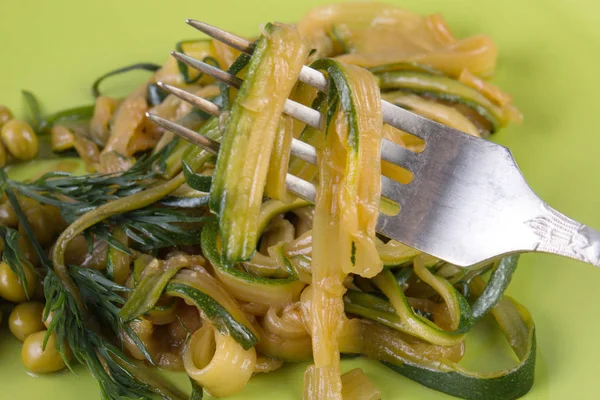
[467,202]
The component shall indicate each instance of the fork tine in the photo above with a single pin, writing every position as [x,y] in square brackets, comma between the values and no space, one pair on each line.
[230,39]
[391,152]
[392,115]
[206,143]
[299,111]
[197,101]
[410,122]
[304,114]
[302,150]
[208,69]
[389,188]
[307,75]
[300,187]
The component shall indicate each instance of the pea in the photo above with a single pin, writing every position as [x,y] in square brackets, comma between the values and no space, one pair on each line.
[20,139]
[28,251]
[11,288]
[8,217]
[41,226]
[5,115]
[39,360]
[25,319]
[3,155]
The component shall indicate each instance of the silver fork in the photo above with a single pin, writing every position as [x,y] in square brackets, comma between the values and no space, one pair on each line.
[467,202]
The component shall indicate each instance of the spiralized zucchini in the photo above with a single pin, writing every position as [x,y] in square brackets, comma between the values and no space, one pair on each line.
[208,265]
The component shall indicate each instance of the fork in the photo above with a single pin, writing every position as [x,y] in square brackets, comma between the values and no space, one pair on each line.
[467,203]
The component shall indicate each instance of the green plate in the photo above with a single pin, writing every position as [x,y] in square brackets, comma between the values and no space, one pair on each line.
[548,62]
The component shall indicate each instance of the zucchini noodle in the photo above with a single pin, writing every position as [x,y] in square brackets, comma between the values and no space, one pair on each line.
[208,265]
[217,362]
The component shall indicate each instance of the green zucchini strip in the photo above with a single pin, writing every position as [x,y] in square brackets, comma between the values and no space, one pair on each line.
[458,307]
[201,290]
[149,290]
[400,316]
[463,314]
[249,136]
[150,67]
[349,89]
[444,88]
[496,285]
[405,66]
[448,377]
[247,287]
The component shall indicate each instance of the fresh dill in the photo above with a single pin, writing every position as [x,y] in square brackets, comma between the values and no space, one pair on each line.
[11,255]
[79,334]
[89,328]
[153,227]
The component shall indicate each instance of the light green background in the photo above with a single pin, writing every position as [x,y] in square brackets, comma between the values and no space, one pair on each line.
[548,61]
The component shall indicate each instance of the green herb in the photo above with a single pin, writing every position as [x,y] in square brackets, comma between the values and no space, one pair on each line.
[155,226]
[73,326]
[34,109]
[12,255]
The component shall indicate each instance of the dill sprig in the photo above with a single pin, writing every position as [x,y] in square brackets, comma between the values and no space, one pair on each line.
[76,195]
[152,227]
[11,254]
[80,331]
[84,303]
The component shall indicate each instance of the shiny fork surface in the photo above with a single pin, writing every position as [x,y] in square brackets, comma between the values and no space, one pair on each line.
[467,203]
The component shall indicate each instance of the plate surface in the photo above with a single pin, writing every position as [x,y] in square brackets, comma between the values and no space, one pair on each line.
[548,62]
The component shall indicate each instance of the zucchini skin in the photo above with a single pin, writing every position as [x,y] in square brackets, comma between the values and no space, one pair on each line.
[249,136]
[215,312]
[512,385]
[443,88]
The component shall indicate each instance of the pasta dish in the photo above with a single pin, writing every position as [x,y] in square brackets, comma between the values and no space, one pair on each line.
[162,255]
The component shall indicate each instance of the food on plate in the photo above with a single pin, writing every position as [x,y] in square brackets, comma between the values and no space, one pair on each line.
[163,255]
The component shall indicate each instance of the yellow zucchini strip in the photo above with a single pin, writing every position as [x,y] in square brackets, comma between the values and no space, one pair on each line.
[346,211]
[408,321]
[217,362]
[357,386]
[280,158]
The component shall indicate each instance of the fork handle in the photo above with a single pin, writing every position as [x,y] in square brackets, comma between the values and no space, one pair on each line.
[559,234]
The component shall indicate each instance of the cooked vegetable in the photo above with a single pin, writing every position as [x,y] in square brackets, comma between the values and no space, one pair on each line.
[12,287]
[61,138]
[5,115]
[249,137]
[40,359]
[19,139]
[25,319]
[164,255]
[3,155]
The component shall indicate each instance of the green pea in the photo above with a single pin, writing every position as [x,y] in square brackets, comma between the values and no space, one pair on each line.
[20,139]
